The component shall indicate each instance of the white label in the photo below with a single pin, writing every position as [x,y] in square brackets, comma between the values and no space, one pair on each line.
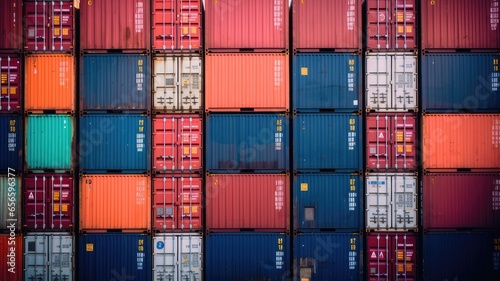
[140,193]
[495,81]
[495,133]
[278,69]
[351,140]
[280,256]
[139,17]
[352,201]
[139,81]
[12,144]
[353,260]
[350,82]
[278,14]
[351,14]
[140,142]
[140,260]
[63,70]
[494,20]
[279,195]
[495,196]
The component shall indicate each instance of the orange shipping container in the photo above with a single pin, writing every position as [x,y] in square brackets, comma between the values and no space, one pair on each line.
[115,202]
[50,83]
[461,141]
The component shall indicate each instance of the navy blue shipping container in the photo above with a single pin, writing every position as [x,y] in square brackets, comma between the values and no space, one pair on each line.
[117,256]
[327,141]
[461,256]
[247,256]
[114,142]
[460,82]
[328,256]
[11,144]
[115,82]
[328,201]
[247,141]
[326,81]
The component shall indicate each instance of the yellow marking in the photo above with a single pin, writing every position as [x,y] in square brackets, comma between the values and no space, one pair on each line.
[304,186]
[89,247]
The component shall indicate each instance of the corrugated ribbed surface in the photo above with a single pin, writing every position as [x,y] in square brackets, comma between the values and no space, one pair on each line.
[11,143]
[11,190]
[18,252]
[11,27]
[10,71]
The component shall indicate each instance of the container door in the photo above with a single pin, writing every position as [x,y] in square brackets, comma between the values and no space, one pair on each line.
[61,202]
[404,138]
[10,68]
[378,198]
[164,143]
[61,26]
[164,18]
[404,190]
[60,258]
[190,81]
[378,140]
[189,202]
[189,14]
[165,258]
[35,258]
[37,25]
[34,200]
[404,81]
[189,153]
[165,86]
[404,32]
[190,258]
[164,202]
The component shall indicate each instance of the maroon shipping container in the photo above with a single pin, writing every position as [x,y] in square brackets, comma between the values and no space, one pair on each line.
[460,24]
[48,202]
[177,204]
[457,200]
[11,25]
[115,24]
[257,202]
[391,256]
[313,22]
[10,72]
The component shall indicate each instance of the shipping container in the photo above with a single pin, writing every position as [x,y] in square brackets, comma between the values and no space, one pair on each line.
[247,82]
[391,142]
[115,82]
[115,25]
[460,82]
[247,142]
[177,257]
[259,202]
[391,82]
[177,83]
[323,256]
[392,256]
[177,202]
[11,144]
[116,256]
[461,141]
[456,24]
[11,27]
[391,202]
[254,25]
[48,256]
[11,83]
[460,200]
[11,259]
[114,143]
[461,256]
[49,142]
[48,202]
[177,25]
[327,141]
[312,21]
[10,196]
[326,82]
[115,202]
[247,256]
[50,83]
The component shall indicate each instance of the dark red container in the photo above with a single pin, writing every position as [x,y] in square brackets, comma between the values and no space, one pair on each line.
[11,247]
[11,25]
[10,72]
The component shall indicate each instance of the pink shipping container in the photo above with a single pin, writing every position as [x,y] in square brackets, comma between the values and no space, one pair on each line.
[10,72]
[11,25]
[257,202]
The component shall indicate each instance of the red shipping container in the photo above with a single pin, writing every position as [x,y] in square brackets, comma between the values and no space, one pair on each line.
[11,25]
[11,259]
[10,72]
[177,204]
[237,202]
[460,24]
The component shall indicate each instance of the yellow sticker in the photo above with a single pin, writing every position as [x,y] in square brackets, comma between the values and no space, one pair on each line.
[65,207]
[185,260]
[186,150]
[185,82]
[57,32]
[185,30]
[399,136]
[56,208]
[304,187]
[4,78]
[409,29]
[65,31]
[4,91]
[278,128]
[409,148]
[89,247]
[194,209]
[56,196]
[303,71]
[186,210]
[57,20]
[401,29]
[194,150]
[400,149]
[194,30]
[13,90]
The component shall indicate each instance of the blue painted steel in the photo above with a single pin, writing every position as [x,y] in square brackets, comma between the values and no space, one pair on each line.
[329,255]
[247,141]
[460,82]
[326,81]
[11,144]
[328,201]
[104,257]
[114,142]
[115,81]
[327,141]
[247,256]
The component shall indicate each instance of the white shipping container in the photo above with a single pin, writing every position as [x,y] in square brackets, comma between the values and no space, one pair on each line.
[177,257]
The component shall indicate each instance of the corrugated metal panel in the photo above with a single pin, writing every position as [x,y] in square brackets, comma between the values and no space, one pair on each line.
[256,82]
[177,83]
[327,141]
[391,202]
[114,142]
[247,141]
[10,212]
[11,83]
[11,143]
[104,257]
[177,257]
[328,201]
[468,141]
[129,209]
[11,27]
[327,81]
[391,82]
[456,82]
[247,256]
[452,201]
[321,256]
[49,142]
[243,201]
[115,81]
[461,256]
[12,257]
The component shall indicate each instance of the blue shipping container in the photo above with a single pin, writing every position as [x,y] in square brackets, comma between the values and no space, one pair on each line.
[247,256]
[11,144]
[247,141]
[456,82]
[328,256]
[114,142]
[104,257]
[461,256]
[327,141]
[328,201]
[326,81]
[116,81]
